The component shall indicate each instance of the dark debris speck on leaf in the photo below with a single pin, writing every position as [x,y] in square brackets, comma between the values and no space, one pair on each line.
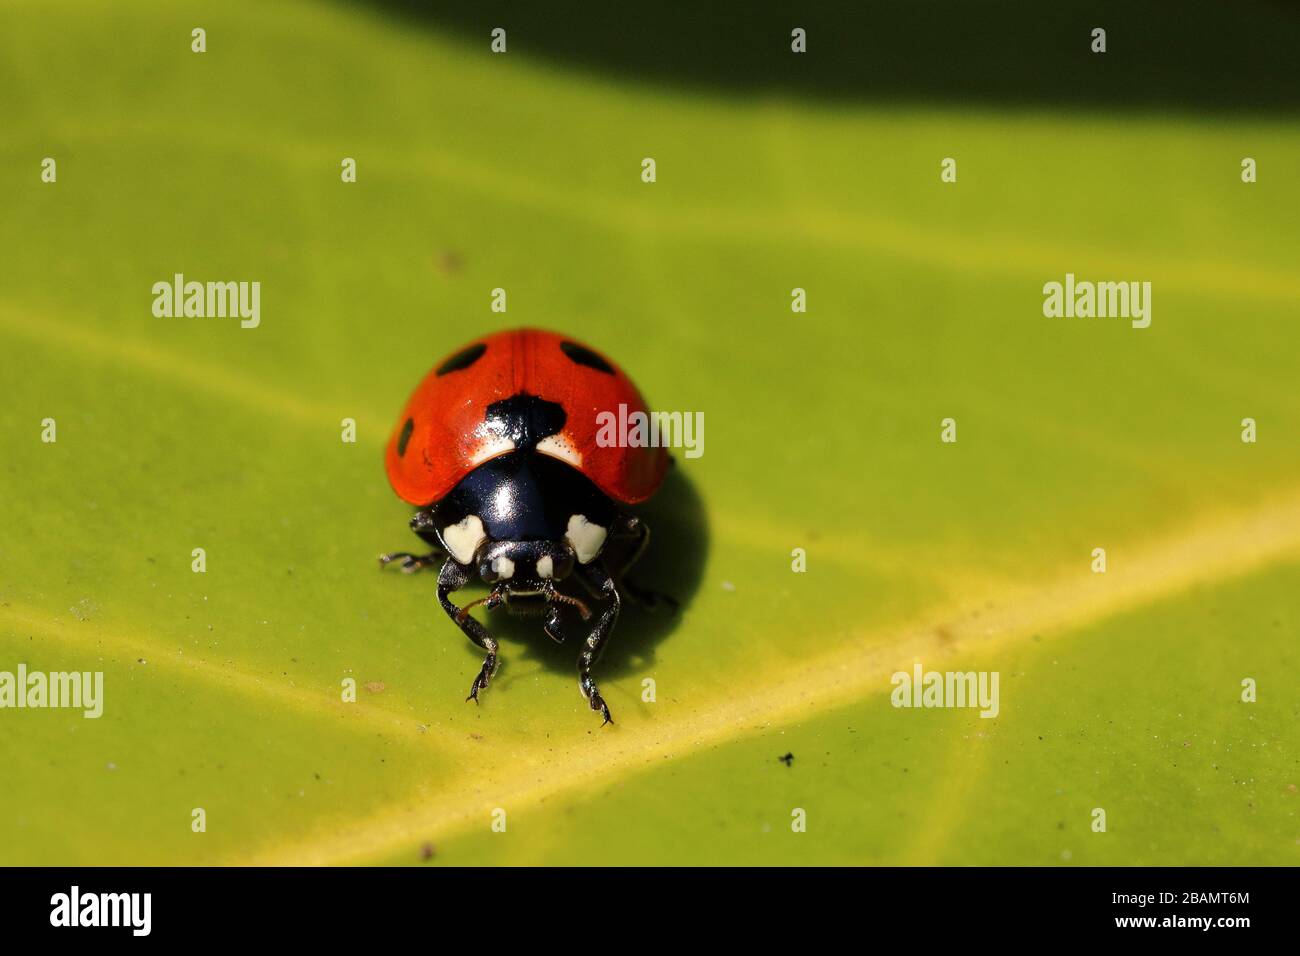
[788,759]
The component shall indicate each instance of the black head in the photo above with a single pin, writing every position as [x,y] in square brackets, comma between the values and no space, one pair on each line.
[524,567]
[523,521]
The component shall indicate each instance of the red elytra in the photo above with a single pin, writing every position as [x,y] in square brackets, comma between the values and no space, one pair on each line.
[449,435]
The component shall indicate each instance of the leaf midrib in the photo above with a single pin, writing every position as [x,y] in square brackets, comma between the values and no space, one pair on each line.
[1214,550]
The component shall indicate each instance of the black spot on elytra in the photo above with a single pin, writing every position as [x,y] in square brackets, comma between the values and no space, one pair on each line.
[462,359]
[585,356]
[525,419]
[404,438]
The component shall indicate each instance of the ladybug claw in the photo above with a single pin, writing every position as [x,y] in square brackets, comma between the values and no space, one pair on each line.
[598,703]
[481,682]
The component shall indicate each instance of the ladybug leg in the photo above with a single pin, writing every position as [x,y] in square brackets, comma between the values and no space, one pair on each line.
[422,523]
[648,598]
[453,577]
[597,579]
[633,527]
[411,562]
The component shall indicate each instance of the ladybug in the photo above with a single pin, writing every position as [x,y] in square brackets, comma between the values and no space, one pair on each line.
[498,451]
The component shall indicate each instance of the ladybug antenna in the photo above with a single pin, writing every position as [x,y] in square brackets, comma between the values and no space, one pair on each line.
[565,599]
[491,602]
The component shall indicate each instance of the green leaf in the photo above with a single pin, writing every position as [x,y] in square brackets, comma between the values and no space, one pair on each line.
[223,690]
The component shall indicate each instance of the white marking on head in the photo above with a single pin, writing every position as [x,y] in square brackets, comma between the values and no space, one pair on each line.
[560,447]
[462,539]
[545,567]
[503,566]
[586,538]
